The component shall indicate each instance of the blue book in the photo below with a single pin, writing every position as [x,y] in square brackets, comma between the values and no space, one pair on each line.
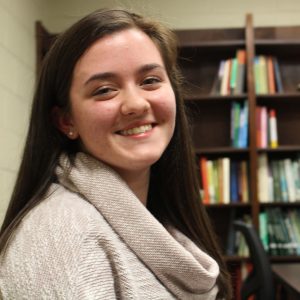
[243,132]
[277,74]
[234,184]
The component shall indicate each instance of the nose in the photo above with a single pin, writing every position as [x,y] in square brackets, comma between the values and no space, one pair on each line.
[134,102]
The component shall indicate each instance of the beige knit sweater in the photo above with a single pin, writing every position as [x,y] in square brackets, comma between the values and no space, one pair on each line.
[91,238]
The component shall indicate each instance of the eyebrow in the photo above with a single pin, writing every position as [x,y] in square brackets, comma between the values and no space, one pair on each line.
[111,75]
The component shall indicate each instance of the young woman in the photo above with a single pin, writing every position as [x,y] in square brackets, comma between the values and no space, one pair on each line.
[106,204]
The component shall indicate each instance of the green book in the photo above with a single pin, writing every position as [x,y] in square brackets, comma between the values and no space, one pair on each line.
[263,229]
[233,75]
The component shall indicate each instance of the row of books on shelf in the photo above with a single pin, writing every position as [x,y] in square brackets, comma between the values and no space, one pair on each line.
[280,231]
[267,132]
[224,181]
[230,79]
[278,179]
[267,75]
[239,124]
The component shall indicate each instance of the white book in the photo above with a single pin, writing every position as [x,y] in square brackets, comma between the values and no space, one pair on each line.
[296,178]
[263,178]
[226,179]
[226,78]
[290,180]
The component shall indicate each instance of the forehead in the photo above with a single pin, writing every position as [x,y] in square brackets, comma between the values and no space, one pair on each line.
[126,47]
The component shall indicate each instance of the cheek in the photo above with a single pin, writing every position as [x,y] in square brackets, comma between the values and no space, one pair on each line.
[167,107]
[95,119]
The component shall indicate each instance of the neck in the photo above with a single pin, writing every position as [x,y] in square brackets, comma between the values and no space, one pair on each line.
[138,182]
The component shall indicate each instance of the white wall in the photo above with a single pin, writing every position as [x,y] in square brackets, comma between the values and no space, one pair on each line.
[17,61]
[184,14]
[17,49]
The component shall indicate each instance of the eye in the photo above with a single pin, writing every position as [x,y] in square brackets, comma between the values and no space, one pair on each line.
[152,81]
[105,92]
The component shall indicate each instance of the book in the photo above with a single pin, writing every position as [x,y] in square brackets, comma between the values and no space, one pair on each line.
[288,170]
[236,108]
[210,176]
[296,176]
[233,74]
[283,182]
[234,197]
[263,75]
[225,84]
[243,127]
[244,182]
[263,230]
[226,179]
[273,244]
[264,127]
[241,71]
[204,180]
[276,181]
[278,80]
[271,77]
[216,88]
[263,182]
[273,136]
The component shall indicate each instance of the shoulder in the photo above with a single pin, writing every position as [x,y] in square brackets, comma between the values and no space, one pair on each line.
[62,217]
[63,209]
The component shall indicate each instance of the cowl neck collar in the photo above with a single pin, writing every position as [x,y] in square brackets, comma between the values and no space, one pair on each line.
[187,271]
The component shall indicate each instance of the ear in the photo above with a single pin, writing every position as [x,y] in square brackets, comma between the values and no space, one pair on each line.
[64,123]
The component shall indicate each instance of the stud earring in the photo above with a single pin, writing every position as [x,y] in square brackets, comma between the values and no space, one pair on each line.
[70,133]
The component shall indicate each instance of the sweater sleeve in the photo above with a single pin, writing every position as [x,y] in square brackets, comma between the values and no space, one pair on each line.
[58,253]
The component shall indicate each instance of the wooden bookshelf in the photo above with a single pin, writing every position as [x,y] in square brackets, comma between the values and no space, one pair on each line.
[200,54]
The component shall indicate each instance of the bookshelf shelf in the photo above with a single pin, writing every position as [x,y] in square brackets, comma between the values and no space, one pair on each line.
[221,150]
[280,149]
[283,259]
[215,98]
[281,204]
[279,97]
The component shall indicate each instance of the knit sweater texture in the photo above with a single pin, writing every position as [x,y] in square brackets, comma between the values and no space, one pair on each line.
[91,238]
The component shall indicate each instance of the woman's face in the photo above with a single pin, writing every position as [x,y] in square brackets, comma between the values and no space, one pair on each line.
[122,103]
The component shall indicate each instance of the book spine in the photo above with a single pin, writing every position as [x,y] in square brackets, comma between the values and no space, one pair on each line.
[278,80]
[264,127]
[241,70]
[273,129]
[204,178]
[263,182]
[226,179]
[263,230]
[271,78]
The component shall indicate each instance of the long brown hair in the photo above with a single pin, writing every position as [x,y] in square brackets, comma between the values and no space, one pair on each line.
[173,178]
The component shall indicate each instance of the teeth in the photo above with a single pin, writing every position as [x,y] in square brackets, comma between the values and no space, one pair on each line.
[136,130]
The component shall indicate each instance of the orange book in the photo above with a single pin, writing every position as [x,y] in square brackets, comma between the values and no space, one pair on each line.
[258,127]
[204,179]
[271,77]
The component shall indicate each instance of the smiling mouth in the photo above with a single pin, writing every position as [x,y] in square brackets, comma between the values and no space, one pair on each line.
[136,130]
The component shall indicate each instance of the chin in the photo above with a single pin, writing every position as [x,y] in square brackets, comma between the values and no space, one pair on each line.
[143,163]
